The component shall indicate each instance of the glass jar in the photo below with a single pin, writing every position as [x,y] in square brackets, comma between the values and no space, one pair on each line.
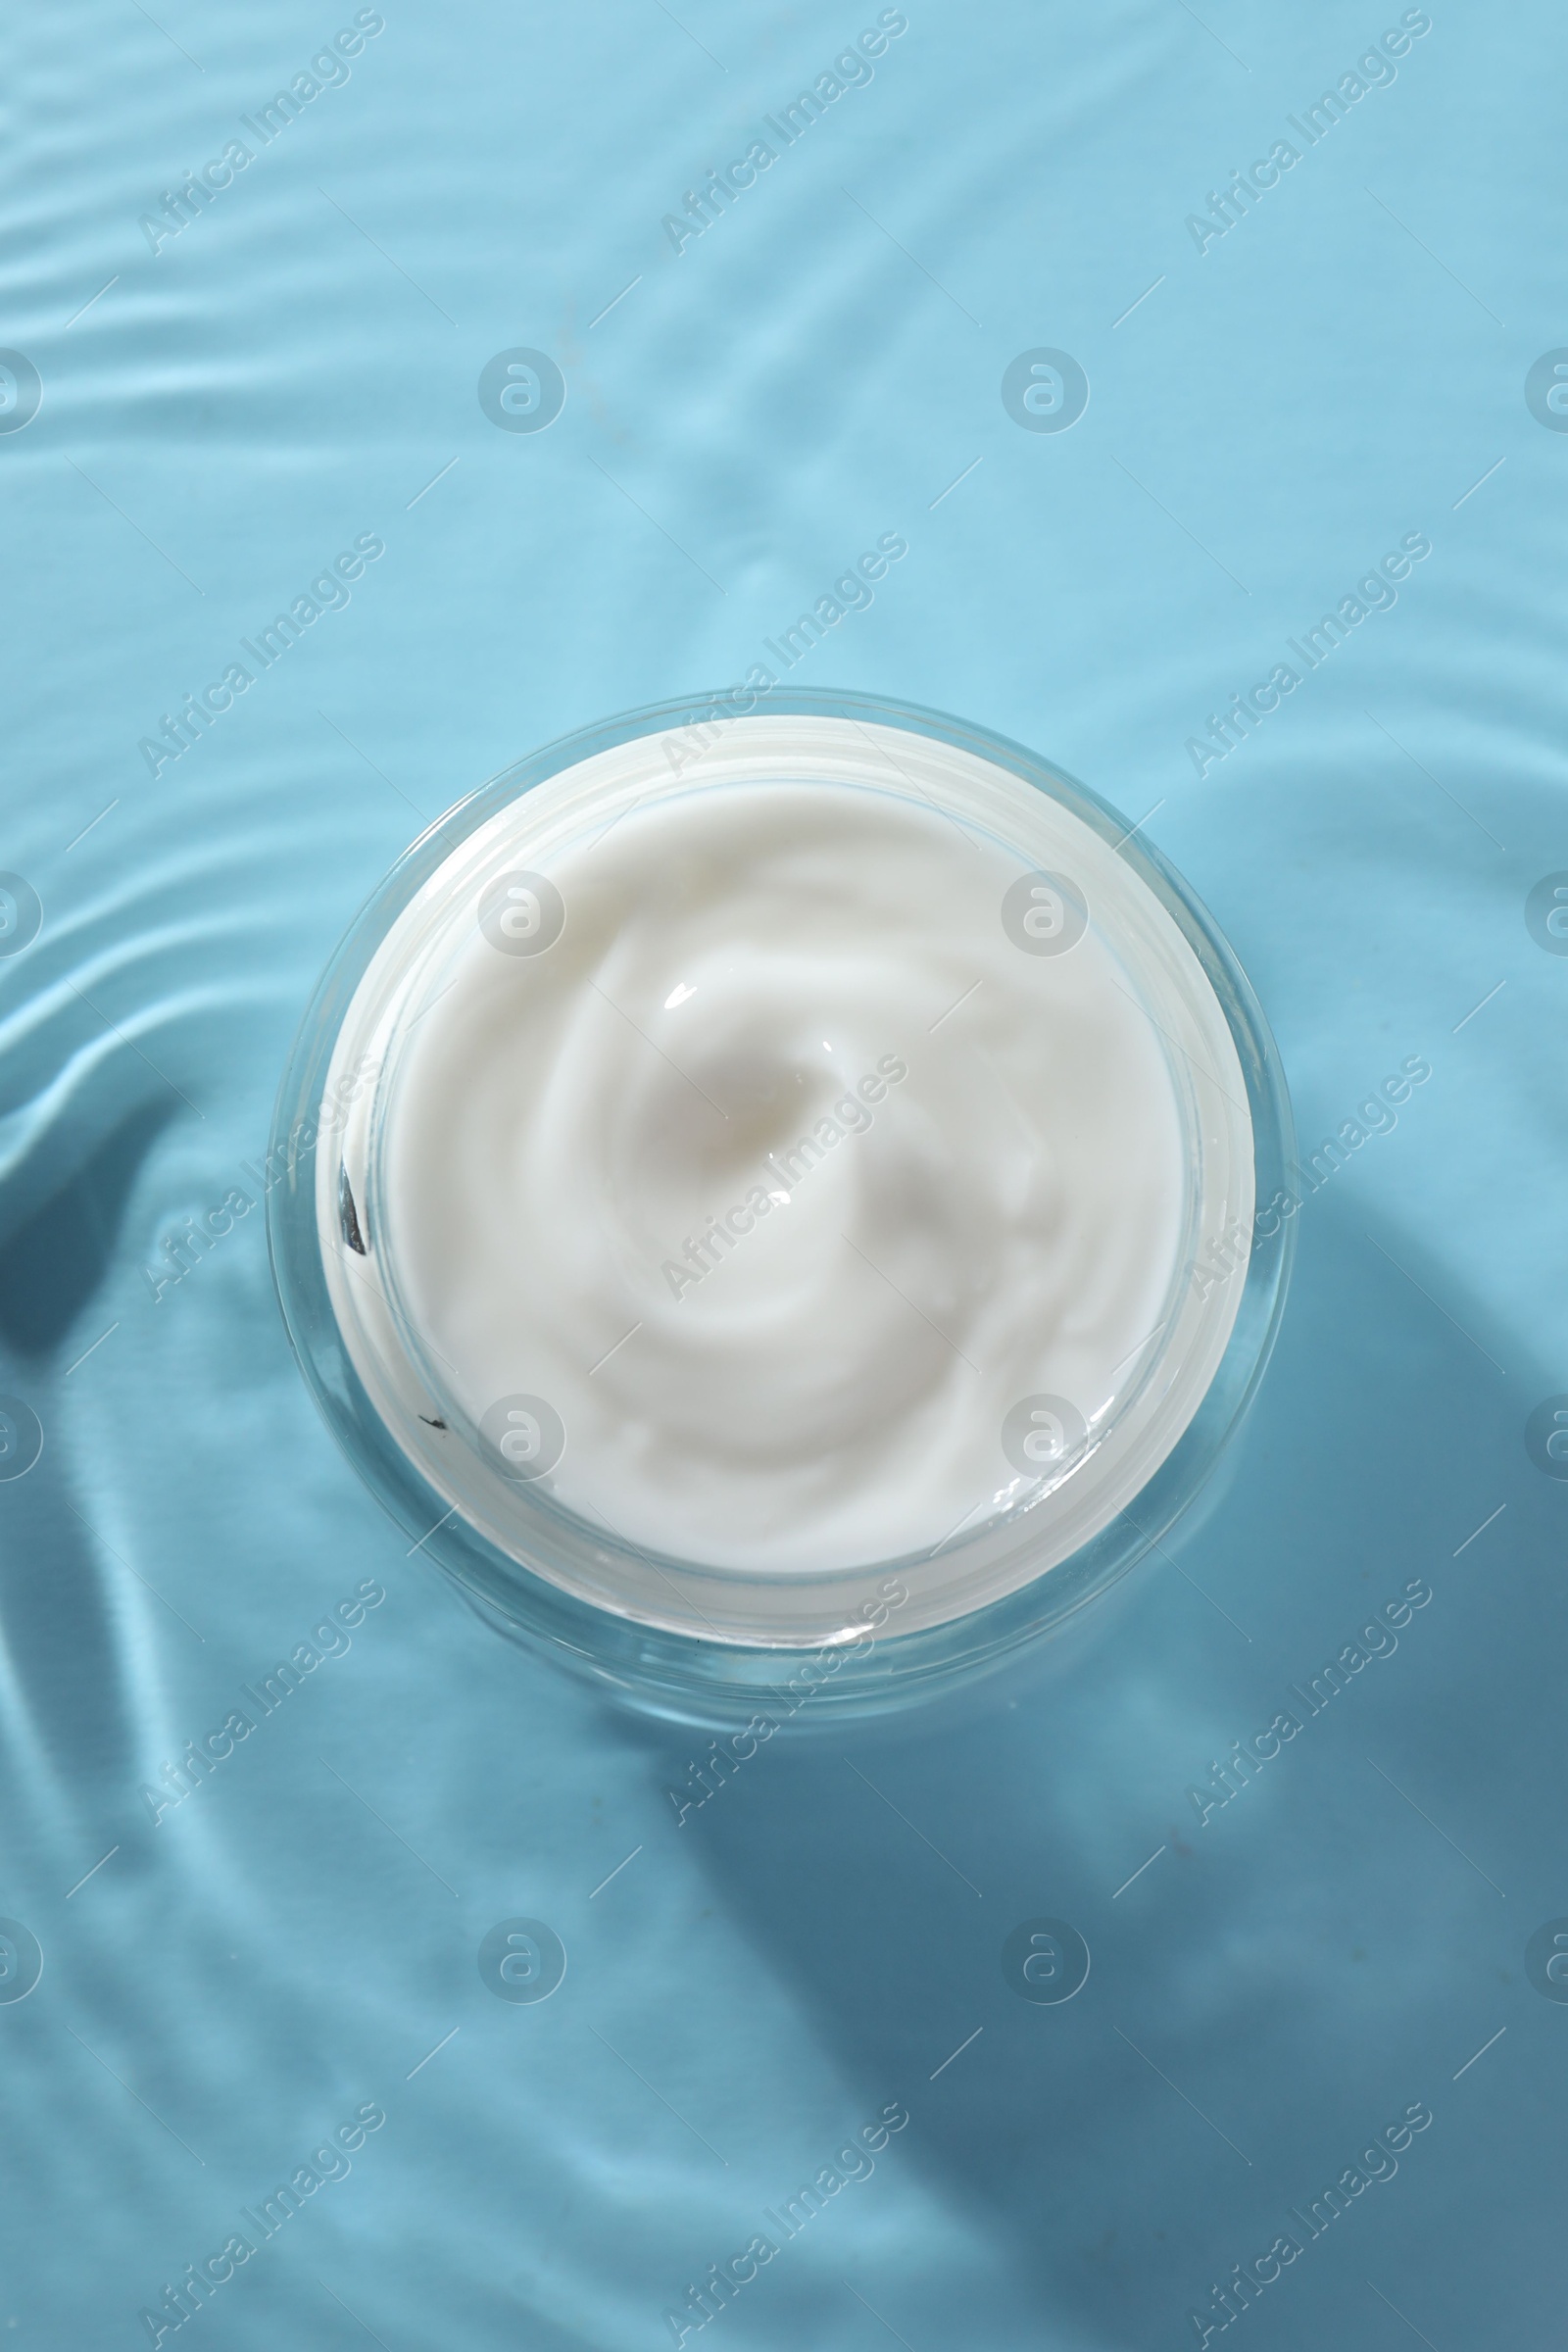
[1080,1496]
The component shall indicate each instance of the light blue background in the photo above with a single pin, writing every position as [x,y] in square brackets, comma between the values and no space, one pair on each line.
[292,370]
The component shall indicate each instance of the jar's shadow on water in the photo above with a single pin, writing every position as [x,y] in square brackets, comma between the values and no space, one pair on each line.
[1274,1984]
[1300,1966]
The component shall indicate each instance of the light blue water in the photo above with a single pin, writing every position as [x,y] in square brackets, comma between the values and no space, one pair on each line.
[296,369]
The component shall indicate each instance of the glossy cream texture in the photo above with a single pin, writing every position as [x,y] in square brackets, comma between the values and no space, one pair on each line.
[782,1175]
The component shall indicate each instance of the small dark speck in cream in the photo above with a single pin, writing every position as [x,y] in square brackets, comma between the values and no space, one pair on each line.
[348,1215]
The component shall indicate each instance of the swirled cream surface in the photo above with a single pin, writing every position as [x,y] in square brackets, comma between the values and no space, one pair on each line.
[786,1175]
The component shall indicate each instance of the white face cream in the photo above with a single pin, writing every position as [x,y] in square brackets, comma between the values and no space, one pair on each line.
[790,1165]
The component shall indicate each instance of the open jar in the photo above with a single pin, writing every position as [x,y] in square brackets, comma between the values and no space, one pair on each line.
[773,1190]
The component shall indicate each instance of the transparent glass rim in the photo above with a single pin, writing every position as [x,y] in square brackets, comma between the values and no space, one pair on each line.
[868,1663]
